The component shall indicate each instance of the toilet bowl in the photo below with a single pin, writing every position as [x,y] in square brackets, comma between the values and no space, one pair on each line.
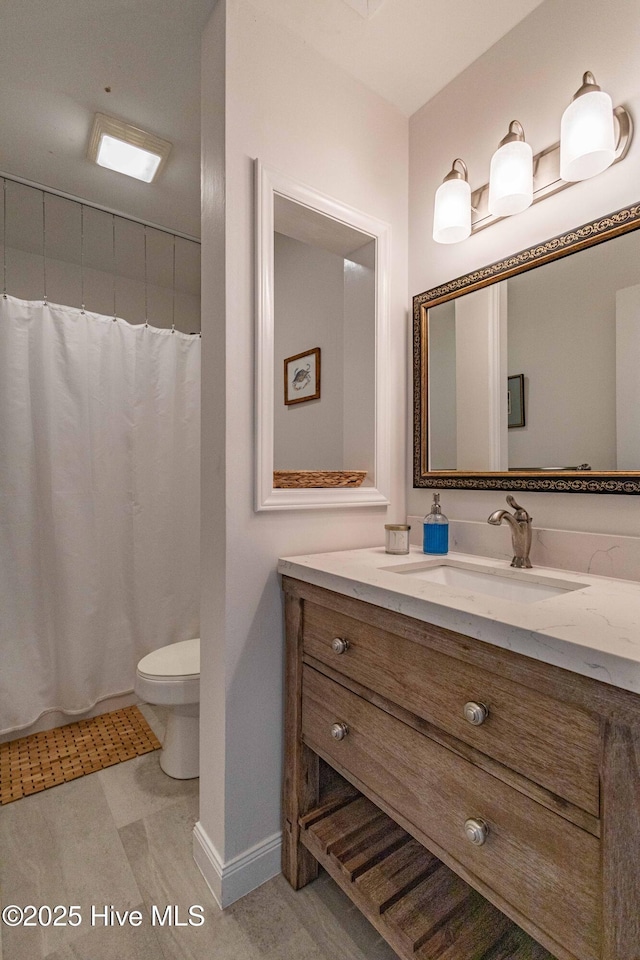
[170,676]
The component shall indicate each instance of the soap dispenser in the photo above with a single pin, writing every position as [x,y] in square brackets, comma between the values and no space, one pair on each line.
[436,529]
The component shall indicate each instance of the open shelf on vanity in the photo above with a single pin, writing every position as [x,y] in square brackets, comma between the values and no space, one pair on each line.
[420,906]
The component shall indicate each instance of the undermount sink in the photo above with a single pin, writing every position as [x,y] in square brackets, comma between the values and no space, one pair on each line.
[519,587]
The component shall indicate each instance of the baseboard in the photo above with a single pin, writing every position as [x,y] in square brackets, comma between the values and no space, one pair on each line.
[230,881]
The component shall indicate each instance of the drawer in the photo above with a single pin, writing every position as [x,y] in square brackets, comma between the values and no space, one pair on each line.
[546,867]
[552,743]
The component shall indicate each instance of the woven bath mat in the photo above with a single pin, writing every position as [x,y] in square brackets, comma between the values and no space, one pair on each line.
[44,760]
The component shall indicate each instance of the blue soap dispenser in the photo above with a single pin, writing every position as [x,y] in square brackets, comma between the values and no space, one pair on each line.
[436,529]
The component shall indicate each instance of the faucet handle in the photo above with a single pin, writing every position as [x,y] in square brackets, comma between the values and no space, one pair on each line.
[520,512]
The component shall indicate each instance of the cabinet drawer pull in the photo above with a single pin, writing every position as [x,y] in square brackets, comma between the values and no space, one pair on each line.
[476,831]
[338,645]
[339,731]
[475,713]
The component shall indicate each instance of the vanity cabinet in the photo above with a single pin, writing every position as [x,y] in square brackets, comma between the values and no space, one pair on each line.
[467,798]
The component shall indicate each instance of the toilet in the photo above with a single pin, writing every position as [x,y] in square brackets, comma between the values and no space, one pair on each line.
[170,676]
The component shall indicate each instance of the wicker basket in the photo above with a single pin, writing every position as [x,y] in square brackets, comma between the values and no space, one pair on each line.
[318,478]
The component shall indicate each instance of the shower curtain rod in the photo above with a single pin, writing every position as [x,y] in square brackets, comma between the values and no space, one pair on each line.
[96,206]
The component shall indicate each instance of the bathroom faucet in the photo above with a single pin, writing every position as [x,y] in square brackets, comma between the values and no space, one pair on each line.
[520,523]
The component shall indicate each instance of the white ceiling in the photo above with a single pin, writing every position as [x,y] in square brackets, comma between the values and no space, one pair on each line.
[57,57]
[405,50]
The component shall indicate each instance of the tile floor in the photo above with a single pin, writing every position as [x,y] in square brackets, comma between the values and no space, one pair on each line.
[122,837]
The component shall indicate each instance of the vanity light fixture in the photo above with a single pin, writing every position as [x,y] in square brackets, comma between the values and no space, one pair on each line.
[511,177]
[122,147]
[587,138]
[452,207]
[594,135]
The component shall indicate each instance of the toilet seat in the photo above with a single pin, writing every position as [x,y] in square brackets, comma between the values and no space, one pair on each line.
[170,675]
[177,661]
[168,693]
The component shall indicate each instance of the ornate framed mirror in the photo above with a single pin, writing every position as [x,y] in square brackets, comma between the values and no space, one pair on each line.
[561,321]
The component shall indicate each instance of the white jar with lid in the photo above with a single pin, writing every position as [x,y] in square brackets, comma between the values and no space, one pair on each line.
[396,538]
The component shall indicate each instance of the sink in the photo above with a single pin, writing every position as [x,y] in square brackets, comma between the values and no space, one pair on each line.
[519,587]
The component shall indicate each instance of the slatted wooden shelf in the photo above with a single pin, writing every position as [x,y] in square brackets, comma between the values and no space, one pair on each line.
[423,909]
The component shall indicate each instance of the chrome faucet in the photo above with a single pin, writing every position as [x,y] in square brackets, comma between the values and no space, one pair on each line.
[520,523]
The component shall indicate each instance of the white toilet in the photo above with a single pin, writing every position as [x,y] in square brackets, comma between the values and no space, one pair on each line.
[170,676]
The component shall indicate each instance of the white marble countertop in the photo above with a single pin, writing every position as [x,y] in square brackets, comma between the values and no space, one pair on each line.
[592,629]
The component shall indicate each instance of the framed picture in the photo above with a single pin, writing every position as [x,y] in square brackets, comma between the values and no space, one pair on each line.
[302,376]
[515,400]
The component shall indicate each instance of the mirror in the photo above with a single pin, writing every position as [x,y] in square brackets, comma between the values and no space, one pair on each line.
[527,379]
[321,349]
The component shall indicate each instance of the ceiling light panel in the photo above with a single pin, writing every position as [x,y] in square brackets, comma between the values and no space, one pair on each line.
[127,149]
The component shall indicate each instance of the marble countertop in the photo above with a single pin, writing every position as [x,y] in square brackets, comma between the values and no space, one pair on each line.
[592,629]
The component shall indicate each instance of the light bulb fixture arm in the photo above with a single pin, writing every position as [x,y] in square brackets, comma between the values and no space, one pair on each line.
[457,174]
[515,134]
[589,85]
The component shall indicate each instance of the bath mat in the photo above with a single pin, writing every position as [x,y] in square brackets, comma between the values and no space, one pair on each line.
[46,759]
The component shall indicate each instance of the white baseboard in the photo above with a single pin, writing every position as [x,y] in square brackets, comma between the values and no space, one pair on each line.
[230,881]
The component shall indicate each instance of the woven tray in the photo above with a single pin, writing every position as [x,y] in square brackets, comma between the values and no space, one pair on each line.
[318,478]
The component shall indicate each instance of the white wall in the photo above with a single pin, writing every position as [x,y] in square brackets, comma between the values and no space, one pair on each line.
[627,380]
[566,347]
[359,361]
[442,387]
[213,531]
[87,255]
[531,75]
[64,285]
[481,371]
[309,312]
[298,113]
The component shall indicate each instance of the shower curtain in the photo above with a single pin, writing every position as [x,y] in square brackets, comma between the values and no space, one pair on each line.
[99,504]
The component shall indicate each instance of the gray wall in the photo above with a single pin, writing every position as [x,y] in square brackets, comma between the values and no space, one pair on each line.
[106,271]
[309,312]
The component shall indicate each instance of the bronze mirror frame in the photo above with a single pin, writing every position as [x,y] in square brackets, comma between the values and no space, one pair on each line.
[587,235]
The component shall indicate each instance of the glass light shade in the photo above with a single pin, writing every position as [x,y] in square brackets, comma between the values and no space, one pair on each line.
[587,136]
[452,212]
[511,179]
[127,158]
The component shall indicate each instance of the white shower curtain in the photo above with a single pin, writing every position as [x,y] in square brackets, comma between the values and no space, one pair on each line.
[99,504]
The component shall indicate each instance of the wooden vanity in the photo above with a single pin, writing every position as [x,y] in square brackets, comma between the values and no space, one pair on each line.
[460,793]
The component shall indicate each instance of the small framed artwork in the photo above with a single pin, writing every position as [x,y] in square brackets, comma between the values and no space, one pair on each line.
[515,400]
[302,377]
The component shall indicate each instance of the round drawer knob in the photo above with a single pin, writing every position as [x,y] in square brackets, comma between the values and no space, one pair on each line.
[338,645]
[339,731]
[476,831]
[475,713]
